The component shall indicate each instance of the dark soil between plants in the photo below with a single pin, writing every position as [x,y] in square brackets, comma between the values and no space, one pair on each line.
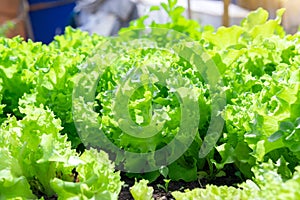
[160,194]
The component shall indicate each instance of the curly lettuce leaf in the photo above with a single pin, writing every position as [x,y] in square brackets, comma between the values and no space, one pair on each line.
[267,183]
[97,179]
[140,191]
[38,154]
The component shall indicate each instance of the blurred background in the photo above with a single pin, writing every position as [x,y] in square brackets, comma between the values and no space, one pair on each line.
[41,20]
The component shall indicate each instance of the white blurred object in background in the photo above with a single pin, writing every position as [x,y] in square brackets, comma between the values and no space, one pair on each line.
[104,17]
[211,12]
[204,11]
[291,18]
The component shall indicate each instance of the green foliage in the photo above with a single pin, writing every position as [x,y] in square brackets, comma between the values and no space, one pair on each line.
[46,71]
[36,83]
[259,66]
[96,179]
[39,161]
[176,22]
[267,184]
[165,187]
[152,102]
[262,88]
[140,191]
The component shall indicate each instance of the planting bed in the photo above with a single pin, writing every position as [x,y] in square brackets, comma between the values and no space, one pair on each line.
[174,111]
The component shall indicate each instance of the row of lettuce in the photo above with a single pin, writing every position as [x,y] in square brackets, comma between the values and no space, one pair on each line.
[42,154]
[38,160]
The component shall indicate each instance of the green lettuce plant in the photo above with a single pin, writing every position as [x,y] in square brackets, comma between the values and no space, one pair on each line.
[38,161]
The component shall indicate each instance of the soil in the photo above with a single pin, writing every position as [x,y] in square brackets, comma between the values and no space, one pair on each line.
[160,194]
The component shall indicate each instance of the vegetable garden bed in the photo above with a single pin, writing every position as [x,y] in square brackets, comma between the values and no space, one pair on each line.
[225,103]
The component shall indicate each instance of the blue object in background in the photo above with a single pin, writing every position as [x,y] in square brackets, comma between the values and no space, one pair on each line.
[49,18]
